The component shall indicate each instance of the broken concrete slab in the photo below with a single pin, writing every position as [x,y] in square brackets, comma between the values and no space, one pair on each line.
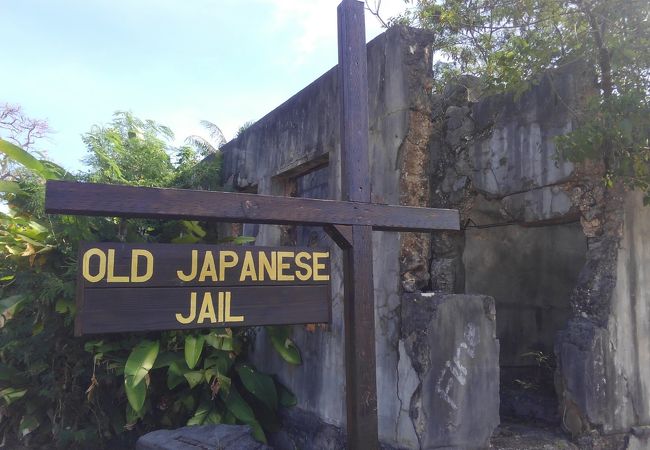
[226,437]
[452,345]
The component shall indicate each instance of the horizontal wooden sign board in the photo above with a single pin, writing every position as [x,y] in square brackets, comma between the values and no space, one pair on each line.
[93,199]
[140,287]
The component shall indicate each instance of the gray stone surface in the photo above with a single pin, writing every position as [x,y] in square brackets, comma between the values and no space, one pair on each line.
[493,159]
[450,341]
[522,437]
[304,430]
[531,273]
[604,375]
[538,205]
[275,156]
[215,437]
[519,153]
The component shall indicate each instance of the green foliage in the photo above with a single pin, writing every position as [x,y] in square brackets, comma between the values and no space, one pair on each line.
[507,44]
[622,125]
[129,151]
[57,390]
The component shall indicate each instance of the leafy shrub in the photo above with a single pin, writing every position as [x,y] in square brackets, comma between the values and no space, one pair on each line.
[107,390]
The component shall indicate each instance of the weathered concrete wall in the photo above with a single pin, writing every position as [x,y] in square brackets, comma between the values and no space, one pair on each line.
[450,343]
[275,156]
[494,160]
[534,305]
[605,365]
[554,248]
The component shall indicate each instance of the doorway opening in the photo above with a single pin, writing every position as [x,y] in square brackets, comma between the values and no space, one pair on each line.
[531,273]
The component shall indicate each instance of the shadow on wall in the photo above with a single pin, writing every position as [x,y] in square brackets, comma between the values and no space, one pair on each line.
[530,272]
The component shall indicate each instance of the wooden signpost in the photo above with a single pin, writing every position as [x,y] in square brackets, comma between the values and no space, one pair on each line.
[154,287]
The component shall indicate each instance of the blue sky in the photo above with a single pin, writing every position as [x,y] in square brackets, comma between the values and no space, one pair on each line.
[75,62]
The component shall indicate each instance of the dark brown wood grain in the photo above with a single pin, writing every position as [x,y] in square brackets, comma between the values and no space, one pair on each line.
[111,310]
[92,199]
[125,303]
[353,79]
[340,234]
[359,309]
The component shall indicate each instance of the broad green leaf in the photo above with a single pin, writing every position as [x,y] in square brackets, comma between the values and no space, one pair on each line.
[194,227]
[38,328]
[9,394]
[223,381]
[220,341]
[23,238]
[28,424]
[185,239]
[135,393]
[283,344]
[193,348]
[238,406]
[219,360]
[257,431]
[194,378]
[241,240]
[9,306]
[205,414]
[64,306]
[141,360]
[132,416]
[286,398]
[165,359]
[214,418]
[260,385]
[10,187]
[24,158]
[101,346]
[175,374]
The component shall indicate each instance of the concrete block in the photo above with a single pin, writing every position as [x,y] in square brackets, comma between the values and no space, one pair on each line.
[452,346]
[226,437]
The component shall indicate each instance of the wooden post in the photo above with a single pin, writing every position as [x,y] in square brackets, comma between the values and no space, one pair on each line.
[359,310]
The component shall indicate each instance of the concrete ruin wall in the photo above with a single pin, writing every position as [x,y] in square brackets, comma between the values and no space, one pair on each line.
[300,139]
[563,258]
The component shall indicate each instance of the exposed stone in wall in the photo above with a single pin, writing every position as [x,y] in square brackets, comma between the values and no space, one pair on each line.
[415,251]
[604,354]
[413,163]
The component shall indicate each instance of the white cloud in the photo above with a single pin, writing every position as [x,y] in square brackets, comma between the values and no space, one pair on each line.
[314,22]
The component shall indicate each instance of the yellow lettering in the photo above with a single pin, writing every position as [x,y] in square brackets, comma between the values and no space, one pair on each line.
[306,275]
[267,266]
[248,268]
[86,265]
[192,275]
[135,254]
[207,309]
[192,315]
[230,318]
[221,312]
[208,268]
[224,264]
[319,266]
[111,277]
[282,266]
